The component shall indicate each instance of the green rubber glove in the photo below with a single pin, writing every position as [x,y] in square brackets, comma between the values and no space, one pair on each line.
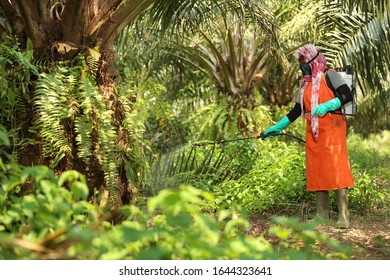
[323,108]
[282,124]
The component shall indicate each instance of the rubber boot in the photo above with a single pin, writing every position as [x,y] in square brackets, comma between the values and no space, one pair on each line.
[322,204]
[342,205]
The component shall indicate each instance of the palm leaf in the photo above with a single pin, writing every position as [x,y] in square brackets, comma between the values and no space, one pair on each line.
[359,35]
[364,43]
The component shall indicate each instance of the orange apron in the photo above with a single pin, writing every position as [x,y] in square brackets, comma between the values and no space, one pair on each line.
[327,165]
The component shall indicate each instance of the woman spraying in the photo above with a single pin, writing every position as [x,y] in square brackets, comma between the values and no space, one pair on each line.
[327,165]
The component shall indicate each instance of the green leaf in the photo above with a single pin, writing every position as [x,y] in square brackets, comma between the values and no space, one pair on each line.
[182,220]
[70,176]
[29,205]
[153,253]
[30,46]
[280,232]
[79,190]
[10,184]
[48,188]
[4,140]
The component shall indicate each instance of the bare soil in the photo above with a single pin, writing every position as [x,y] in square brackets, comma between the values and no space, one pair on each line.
[369,236]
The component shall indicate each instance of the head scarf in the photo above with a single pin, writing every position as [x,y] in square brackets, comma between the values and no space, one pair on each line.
[317,67]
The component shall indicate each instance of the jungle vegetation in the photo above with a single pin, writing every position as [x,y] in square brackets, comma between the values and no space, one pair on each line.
[104,107]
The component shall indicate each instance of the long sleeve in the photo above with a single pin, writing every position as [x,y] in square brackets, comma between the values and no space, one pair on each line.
[295,112]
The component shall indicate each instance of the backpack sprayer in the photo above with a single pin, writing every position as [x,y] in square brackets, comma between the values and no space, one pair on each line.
[347,73]
[261,136]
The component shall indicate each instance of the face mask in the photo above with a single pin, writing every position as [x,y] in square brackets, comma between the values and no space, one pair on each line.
[305,66]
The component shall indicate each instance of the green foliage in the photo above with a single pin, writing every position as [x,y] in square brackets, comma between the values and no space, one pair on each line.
[16,72]
[361,38]
[52,96]
[53,222]
[276,179]
[235,53]
[4,156]
[180,230]
[64,114]
[138,101]
[370,159]
[52,216]
[65,95]
[269,176]
[204,164]
[287,228]
[44,216]
[373,116]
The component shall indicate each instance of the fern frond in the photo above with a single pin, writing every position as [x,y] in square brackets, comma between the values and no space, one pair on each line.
[95,109]
[92,62]
[83,127]
[16,69]
[50,100]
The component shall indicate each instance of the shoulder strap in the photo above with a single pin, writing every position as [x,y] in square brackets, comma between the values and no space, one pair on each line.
[329,84]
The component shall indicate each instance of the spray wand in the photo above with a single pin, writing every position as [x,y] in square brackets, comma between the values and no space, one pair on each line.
[261,136]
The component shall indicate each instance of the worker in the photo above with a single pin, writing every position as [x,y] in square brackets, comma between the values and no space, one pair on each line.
[327,164]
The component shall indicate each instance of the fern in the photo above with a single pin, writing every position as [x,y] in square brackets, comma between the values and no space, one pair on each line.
[51,100]
[68,95]
[135,114]
[92,62]
[16,69]
[105,150]
[83,127]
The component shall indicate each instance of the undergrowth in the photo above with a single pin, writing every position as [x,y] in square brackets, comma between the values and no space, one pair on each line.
[269,176]
[56,223]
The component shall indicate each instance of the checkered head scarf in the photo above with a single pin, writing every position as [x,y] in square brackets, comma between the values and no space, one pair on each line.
[317,65]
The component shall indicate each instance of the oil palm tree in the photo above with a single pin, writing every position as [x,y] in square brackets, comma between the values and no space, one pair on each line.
[86,114]
[235,50]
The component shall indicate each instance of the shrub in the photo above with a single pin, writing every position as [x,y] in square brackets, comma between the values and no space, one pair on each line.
[53,222]
[370,160]
[276,178]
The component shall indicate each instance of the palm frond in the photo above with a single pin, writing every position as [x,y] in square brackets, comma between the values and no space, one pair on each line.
[298,21]
[207,165]
[360,36]
[361,41]
[377,8]
[187,15]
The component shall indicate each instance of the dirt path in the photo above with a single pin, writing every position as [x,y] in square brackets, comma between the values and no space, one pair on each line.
[369,236]
[371,239]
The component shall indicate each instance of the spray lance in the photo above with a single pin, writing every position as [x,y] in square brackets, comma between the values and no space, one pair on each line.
[261,136]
